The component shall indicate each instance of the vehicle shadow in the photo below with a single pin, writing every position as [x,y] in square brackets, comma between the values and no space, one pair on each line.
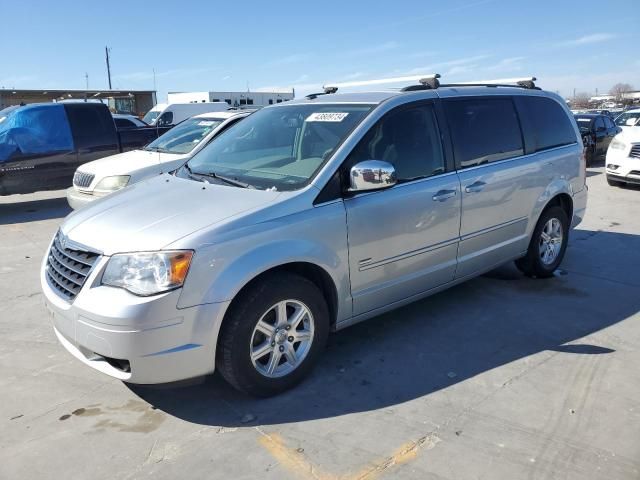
[432,344]
[28,210]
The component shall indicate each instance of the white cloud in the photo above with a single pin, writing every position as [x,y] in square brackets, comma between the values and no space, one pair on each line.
[449,65]
[383,47]
[289,59]
[589,39]
[512,63]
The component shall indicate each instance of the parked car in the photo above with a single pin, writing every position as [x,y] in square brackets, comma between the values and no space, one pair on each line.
[310,216]
[622,165]
[41,145]
[597,132]
[99,178]
[123,121]
[165,114]
[630,118]
[602,112]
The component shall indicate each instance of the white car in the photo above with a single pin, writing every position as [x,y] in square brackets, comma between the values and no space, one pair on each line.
[628,119]
[623,158]
[101,177]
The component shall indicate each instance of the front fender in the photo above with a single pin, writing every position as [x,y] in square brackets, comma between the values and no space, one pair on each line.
[220,270]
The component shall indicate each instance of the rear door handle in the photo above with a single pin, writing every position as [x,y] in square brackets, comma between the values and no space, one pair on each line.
[442,195]
[475,187]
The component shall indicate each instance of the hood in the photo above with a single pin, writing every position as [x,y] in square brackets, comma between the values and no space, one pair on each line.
[155,213]
[629,134]
[125,163]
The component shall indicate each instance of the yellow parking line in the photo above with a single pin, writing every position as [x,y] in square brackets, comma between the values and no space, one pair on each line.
[297,463]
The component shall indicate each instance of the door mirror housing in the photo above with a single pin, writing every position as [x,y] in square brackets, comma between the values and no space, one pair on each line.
[372,175]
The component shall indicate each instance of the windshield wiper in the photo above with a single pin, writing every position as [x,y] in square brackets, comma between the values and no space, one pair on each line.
[157,149]
[230,181]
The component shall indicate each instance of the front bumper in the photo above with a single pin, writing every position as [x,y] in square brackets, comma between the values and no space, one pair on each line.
[77,199]
[621,167]
[135,339]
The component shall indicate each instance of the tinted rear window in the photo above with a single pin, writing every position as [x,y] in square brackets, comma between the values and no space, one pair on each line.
[484,130]
[550,126]
[91,126]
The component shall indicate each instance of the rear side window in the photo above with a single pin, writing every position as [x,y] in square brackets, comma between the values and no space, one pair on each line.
[484,130]
[549,125]
[599,123]
[91,126]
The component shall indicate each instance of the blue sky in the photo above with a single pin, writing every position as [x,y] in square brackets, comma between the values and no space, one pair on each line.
[207,45]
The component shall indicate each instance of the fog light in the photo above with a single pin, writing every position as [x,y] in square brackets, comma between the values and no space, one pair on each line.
[611,166]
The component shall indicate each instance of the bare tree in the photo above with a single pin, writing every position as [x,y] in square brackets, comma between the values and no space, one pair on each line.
[580,100]
[619,89]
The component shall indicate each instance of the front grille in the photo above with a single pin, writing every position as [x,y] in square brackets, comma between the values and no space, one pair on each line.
[634,172]
[68,268]
[82,180]
[635,150]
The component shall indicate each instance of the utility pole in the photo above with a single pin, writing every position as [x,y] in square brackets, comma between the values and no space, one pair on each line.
[86,79]
[106,51]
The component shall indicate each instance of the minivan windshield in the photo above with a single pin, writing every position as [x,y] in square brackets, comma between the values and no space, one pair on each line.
[279,147]
[151,116]
[185,136]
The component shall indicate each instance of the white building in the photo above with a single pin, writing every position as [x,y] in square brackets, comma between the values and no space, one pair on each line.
[234,99]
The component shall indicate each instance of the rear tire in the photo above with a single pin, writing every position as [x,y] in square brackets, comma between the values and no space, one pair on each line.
[262,351]
[548,244]
[614,183]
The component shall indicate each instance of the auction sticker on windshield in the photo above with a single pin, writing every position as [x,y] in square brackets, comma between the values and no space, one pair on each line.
[327,117]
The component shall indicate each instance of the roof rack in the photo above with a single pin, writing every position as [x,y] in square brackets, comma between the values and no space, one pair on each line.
[522,82]
[327,91]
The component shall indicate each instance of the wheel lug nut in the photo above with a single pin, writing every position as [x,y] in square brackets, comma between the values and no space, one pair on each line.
[290,339]
[273,344]
[288,327]
[281,348]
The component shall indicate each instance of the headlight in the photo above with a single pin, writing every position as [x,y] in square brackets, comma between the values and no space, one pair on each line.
[147,273]
[617,144]
[111,184]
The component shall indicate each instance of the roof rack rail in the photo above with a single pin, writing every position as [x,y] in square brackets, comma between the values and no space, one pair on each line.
[427,82]
[327,91]
[522,82]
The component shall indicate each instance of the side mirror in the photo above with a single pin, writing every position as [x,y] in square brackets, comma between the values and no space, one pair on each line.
[371,175]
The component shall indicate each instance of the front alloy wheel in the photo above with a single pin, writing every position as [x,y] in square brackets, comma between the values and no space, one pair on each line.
[273,334]
[282,338]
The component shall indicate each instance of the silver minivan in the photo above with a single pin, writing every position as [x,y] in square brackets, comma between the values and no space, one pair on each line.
[308,217]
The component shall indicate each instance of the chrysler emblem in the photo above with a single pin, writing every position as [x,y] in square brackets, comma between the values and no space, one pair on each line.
[63,241]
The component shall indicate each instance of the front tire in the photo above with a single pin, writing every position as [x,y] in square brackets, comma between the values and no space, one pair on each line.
[548,244]
[273,335]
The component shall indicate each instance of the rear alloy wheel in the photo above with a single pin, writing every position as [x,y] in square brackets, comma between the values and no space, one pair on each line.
[547,246]
[273,334]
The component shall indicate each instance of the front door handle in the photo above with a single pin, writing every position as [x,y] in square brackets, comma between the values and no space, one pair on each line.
[475,187]
[442,195]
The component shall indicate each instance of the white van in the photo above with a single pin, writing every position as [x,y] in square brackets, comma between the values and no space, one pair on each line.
[165,114]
